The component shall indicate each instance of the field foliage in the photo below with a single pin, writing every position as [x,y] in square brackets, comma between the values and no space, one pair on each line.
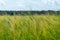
[33,27]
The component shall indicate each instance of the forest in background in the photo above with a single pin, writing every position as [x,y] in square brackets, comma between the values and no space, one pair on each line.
[50,12]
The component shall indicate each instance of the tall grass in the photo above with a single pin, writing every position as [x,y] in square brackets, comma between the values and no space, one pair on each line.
[34,27]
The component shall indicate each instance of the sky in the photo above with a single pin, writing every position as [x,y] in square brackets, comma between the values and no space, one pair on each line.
[29,4]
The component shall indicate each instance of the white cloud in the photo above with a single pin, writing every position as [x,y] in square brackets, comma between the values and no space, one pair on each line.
[29,4]
[2,2]
[20,5]
[58,2]
[49,2]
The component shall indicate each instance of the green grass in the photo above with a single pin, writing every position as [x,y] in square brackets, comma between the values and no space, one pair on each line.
[36,27]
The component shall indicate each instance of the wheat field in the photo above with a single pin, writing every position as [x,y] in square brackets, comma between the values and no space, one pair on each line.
[33,27]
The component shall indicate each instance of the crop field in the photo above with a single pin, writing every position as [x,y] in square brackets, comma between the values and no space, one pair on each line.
[32,27]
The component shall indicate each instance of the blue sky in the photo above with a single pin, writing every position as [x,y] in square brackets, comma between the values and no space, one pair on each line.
[29,4]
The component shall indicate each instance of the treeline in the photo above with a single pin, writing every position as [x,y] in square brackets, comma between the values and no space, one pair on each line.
[50,12]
